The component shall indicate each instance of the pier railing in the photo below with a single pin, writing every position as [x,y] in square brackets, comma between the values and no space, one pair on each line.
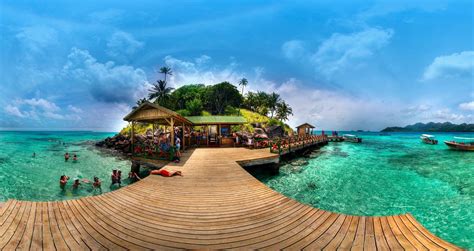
[284,146]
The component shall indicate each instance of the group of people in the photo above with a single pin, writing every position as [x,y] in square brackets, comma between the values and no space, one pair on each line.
[63,180]
[67,156]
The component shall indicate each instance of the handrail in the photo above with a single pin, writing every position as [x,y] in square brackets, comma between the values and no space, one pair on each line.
[284,145]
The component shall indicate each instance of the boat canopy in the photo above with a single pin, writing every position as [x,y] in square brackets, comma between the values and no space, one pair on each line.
[464,138]
[349,135]
[427,136]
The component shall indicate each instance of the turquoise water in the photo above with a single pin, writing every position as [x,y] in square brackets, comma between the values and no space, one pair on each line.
[387,175]
[27,178]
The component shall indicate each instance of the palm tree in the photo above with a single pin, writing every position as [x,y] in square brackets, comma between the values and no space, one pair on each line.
[166,70]
[139,102]
[273,100]
[160,92]
[283,111]
[243,82]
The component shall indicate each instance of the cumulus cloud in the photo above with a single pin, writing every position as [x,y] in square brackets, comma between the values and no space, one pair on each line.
[36,38]
[121,45]
[469,106]
[455,65]
[339,50]
[15,111]
[74,109]
[44,104]
[37,109]
[200,71]
[106,82]
[293,49]
[447,115]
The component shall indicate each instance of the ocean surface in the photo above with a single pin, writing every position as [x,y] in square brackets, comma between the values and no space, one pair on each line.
[37,178]
[388,175]
[384,175]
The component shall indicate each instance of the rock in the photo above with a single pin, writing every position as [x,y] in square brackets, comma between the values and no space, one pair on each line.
[299,162]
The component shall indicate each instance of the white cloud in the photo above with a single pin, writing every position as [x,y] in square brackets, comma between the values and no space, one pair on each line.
[467,106]
[75,109]
[106,82]
[455,65]
[36,38]
[38,108]
[293,49]
[15,111]
[340,50]
[446,115]
[200,71]
[121,45]
[44,104]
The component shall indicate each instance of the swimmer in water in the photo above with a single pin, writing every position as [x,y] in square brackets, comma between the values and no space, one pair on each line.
[76,184]
[97,183]
[74,158]
[66,157]
[34,155]
[63,181]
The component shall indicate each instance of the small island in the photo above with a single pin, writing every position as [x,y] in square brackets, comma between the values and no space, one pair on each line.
[432,127]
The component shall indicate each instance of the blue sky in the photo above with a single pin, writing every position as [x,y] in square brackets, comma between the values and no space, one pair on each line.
[345,65]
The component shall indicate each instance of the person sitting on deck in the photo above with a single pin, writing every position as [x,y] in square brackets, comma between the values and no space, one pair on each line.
[166,173]
[63,181]
[66,157]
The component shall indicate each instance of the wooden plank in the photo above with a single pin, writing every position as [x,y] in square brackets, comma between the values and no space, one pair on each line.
[215,205]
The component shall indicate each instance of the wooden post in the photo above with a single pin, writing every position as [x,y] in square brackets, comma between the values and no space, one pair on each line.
[207,135]
[172,131]
[132,138]
[182,136]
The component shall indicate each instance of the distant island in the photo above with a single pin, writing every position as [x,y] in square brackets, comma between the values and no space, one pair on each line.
[432,127]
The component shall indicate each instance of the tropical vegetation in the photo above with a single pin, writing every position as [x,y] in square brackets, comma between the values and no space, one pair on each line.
[219,99]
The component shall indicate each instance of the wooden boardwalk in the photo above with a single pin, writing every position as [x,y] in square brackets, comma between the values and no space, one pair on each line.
[216,205]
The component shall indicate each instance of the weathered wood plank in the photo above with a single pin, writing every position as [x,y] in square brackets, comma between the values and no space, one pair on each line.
[215,205]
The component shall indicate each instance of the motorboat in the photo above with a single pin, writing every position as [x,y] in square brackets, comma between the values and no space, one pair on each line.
[461,143]
[351,138]
[428,139]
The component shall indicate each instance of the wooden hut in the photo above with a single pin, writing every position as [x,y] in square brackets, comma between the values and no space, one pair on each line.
[217,129]
[305,129]
[157,115]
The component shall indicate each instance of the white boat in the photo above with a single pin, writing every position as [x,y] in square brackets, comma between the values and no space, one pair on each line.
[461,143]
[351,138]
[428,139]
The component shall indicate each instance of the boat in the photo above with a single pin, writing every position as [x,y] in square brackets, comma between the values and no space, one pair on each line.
[351,138]
[428,139]
[462,144]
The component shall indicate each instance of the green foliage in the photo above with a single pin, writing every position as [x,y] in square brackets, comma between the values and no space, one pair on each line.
[160,93]
[185,93]
[183,112]
[194,107]
[220,96]
[139,102]
[229,110]
[283,110]
[432,127]
[206,113]
[139,129]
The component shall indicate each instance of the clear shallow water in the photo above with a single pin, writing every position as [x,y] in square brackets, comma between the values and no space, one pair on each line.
[387,175]
[27,178]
